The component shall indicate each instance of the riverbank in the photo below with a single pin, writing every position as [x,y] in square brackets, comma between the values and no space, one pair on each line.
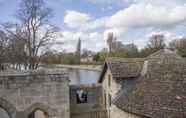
[82,67]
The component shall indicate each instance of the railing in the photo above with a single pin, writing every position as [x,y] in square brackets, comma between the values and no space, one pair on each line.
[93,114]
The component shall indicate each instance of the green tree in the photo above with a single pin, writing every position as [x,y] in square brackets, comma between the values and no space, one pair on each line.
[133,51]
[101,56]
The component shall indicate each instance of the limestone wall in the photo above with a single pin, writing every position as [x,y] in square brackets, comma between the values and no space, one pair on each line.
[93,108]
[21,94]
[118,113]
[112,91]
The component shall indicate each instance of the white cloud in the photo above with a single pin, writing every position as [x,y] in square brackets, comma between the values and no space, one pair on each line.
[141,14]
[76,19]
[161,2]
[169,36]
[83,21]
[98,23]
[90,40]
[137,15]
[118,2]
[148,15]
[118,32]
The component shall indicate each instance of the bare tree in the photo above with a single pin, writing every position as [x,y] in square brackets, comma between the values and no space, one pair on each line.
[33,30]
[157,41]
[3,48]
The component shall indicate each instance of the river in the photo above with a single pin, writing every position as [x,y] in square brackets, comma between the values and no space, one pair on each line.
[80,76]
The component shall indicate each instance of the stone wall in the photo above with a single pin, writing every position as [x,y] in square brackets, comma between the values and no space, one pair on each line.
[93,108]
[23,93]
[112,91]
[118,113]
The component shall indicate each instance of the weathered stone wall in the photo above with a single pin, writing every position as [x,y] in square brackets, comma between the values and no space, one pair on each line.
[112,90]
[94,108]
[109,90]
[118,113]
[21,94]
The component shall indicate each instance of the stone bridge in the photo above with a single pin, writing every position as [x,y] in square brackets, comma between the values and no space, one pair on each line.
[24,95]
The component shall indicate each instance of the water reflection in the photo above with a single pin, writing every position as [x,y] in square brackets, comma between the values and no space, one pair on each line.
[3,113]
[78,76]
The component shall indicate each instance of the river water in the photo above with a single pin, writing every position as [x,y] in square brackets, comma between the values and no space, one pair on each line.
[79,76]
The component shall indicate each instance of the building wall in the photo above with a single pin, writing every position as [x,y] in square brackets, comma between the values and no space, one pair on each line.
[112,90]
[93,108]
[118,113]
[20,95]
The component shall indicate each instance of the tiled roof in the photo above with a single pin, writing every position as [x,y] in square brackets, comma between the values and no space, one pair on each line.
[123,67]
[161,91]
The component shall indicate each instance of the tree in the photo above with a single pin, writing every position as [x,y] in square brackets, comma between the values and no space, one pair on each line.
[156,42]
[69,58]
[101,56]
[78,52]
[110,41]
[133,51]
[33,28]
[3,49]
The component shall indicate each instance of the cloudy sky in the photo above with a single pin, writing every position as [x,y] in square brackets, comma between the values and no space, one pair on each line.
[132,21]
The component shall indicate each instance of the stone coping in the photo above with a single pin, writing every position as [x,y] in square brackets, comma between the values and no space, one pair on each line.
[85,86]
[41,72]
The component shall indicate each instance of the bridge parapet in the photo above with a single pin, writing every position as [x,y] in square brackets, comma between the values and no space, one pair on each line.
[46,90]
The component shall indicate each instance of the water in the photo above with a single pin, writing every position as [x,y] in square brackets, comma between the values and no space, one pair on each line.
[78,76]
[3,113]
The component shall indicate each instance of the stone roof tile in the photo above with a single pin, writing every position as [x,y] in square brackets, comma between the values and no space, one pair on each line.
[161,92]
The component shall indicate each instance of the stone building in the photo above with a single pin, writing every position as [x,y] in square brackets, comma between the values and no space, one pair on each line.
[22,95]
[151,87]
[47,94]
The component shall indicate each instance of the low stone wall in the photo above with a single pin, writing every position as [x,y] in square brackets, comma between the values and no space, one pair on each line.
[23,93]
[92,114]
[93,108]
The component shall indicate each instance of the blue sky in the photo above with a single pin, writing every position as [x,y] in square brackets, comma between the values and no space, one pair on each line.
[132,21]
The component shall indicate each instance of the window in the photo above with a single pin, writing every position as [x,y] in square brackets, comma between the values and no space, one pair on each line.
[109,80]
[81,96]
[105,99]
[110,100]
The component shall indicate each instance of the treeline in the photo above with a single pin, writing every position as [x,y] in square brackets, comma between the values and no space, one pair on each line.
[118,49]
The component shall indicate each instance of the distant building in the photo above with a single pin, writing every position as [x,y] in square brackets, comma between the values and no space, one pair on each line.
[151,87]
[87,59]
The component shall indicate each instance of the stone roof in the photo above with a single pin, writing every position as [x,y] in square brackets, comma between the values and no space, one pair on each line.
[161,91]
[123,67]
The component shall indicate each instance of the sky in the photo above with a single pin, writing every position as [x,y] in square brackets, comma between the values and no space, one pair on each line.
[131,21]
